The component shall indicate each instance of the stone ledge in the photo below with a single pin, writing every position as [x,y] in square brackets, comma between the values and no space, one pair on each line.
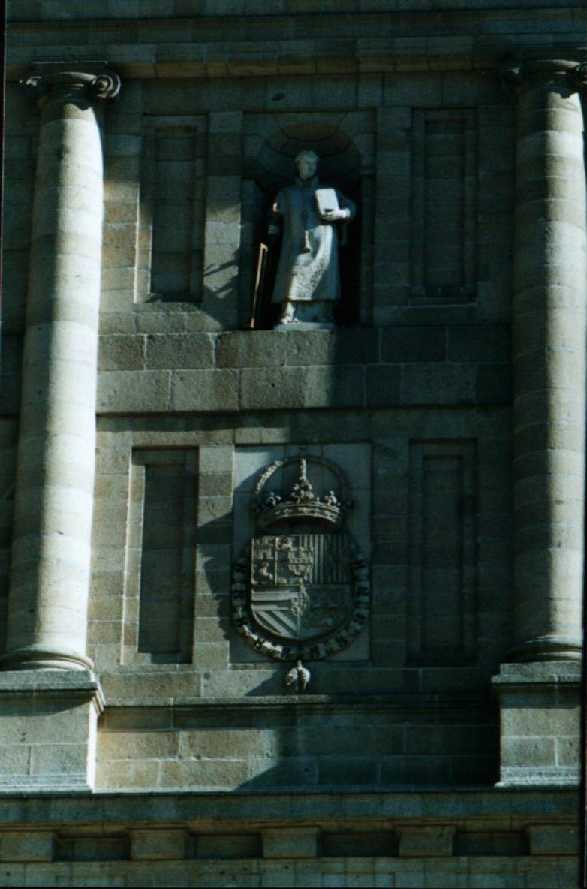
[29,785]
[520,777]
[58,681]
[71,685]
[189,57]
[305,387]
[520,806]
[538,673]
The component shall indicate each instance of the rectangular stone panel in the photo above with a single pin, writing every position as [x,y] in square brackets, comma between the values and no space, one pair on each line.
[7,470]
[159,575]
[358,844]
[227,846]
[172,208]
[441,612]
[115,847]
[444,206]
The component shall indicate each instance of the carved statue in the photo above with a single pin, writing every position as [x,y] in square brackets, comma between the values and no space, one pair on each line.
[307,284]
[298,677]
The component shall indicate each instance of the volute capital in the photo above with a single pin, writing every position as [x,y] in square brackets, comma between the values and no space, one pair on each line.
[55,80]
[565,74]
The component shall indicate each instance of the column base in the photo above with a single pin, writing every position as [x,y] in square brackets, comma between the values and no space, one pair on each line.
[48,729]
[540,712]
[36,657]
[548,648]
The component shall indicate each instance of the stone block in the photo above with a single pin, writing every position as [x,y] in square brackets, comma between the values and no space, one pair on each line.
[154,320]
[345,771]
[494,384]
[26,845]
[204,390]
[408,344]
[133,391]
[490,842]
[479,342]
[144,687]
[553,839]
[215,460]
[528,752]
[212,655]
[312,347]
[191,350]
[158,844]
[291,772]
[255,348]
[292,388]
[426,842]
[227,743]
[51,730]
[383,385]
[293,843]
[137,745]
[191,773]
[228,846]
[435,384]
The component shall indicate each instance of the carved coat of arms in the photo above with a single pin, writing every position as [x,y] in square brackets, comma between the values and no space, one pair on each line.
[301,590]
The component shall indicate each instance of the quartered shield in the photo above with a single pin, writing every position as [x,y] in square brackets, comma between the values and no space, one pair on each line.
[301,584]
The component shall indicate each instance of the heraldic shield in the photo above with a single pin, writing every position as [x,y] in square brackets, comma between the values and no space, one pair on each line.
[302,588]
[301,584]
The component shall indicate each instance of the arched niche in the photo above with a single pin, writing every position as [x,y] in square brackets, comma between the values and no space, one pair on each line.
[272,168]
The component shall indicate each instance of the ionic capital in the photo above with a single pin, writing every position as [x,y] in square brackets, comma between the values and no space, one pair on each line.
[93,80]
[568,75]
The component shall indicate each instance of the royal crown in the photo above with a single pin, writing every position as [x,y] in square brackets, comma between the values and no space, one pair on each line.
[301,504]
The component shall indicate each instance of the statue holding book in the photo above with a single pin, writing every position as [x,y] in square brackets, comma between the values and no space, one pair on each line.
[307,283]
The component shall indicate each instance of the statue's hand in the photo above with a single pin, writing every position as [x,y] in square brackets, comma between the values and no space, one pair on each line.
[336,215]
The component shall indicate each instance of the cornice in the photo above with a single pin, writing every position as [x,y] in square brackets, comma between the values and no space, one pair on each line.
[324,57]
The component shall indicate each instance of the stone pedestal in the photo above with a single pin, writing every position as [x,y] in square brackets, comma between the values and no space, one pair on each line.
[51,552]
[48,730]
[540,712]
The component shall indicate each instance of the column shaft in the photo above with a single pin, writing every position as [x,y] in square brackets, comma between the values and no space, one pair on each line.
[549,362]
[51,556]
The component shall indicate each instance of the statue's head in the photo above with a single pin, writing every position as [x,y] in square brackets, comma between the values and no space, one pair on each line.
[307,163]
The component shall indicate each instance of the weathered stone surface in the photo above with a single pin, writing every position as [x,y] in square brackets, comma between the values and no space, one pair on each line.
[179,351]
[48,731]
[302,843]
[157,845]
[210,769]
[426,841]
[307,387]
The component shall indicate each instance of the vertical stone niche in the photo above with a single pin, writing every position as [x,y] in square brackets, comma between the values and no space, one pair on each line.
[160,552]
[443,512]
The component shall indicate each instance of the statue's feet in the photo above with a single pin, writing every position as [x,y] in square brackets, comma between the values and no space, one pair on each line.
[288,314]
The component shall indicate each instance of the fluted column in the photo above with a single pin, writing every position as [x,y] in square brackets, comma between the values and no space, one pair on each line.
[51,552]
[549,359]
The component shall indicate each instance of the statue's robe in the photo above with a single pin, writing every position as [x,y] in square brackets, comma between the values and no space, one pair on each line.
[308,267]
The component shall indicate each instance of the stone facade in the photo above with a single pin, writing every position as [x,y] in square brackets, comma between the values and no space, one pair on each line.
[427,568]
